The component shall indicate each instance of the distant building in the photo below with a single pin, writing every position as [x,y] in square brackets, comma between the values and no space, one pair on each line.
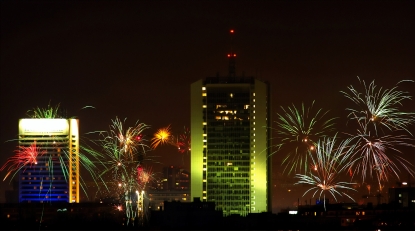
[175,178]
[158,197]
[174,186]
[403,196]
[230,140]
[52,175]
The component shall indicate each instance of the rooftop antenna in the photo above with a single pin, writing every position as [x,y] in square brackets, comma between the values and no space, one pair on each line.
[231,57]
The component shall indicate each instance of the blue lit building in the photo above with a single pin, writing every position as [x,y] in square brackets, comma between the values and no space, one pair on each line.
[52,174]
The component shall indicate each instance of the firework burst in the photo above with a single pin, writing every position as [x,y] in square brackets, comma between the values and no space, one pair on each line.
[129,139]
[380,107]
[297,132]
[382,130]
[374,154]
[124,151]
[51,112]
[163,136]
[24,157]
[328,164]
[183,143]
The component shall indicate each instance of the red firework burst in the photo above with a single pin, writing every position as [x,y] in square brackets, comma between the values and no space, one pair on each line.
[24,156]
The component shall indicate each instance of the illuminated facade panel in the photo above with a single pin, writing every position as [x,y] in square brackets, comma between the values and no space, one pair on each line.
[230,137]
[55,175]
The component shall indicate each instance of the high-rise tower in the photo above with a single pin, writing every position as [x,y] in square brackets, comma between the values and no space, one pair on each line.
[230,140]
[53,175]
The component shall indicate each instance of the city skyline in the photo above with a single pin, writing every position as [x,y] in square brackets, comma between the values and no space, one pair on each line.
[136,60]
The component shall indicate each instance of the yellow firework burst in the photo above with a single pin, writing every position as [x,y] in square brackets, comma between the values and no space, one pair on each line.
[162,136]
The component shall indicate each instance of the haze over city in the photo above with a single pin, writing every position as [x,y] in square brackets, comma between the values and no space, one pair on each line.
[137,59]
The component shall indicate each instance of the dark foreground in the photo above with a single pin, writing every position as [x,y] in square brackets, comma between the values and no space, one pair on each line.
[101,217]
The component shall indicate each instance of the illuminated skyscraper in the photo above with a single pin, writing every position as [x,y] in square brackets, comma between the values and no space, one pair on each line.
[230,140]
[54,176]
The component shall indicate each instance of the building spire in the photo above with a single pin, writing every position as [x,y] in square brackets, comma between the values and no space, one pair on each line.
[232,57]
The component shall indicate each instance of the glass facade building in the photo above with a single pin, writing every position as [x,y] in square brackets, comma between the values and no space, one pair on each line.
[52,172]
[230,144]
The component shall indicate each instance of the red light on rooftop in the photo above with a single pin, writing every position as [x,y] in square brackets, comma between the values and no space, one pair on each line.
[229,55]
[234,55]
[231,31]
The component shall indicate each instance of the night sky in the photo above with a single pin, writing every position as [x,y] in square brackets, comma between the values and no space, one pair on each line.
[137,59]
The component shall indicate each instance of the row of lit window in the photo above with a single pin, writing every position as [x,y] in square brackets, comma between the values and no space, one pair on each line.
[235,182]
[238,199]
[213,157]
[227,186]
[41,178]
[228,175]
[224,163]
[228,146]
[228,169]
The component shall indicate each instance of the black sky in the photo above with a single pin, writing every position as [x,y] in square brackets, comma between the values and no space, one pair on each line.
[137,59]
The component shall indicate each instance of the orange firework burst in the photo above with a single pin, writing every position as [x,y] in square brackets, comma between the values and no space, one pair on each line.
[162,136]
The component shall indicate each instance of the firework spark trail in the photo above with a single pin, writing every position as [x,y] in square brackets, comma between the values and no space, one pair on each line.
[124,152]
[183,143]
[144,175]
[50,112]
[24,156]
[374,153]
[297,132]
[380,107]
[129,139]
[328,162]
[382,129]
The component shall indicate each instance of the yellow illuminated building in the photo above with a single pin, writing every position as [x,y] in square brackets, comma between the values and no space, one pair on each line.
[230,140]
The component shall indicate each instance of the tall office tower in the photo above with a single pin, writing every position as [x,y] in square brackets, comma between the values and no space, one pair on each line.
[230,140]
[52,174]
